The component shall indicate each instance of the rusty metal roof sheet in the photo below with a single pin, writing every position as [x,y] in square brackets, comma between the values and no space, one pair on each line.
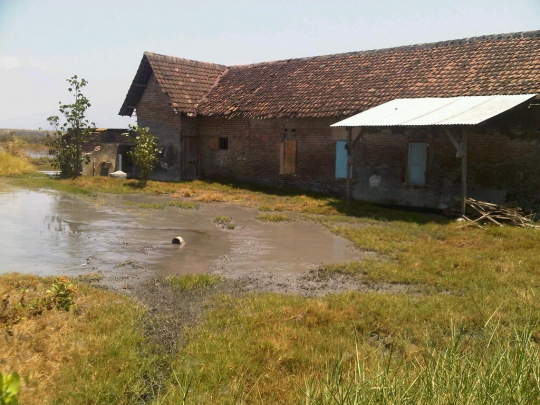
[435,111]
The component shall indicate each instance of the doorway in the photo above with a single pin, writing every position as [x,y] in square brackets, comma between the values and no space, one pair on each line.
[127,160]
[190,157]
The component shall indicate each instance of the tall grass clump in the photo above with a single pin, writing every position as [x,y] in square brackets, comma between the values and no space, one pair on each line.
[361,348]
[466,371]
[11,165]
[224,222]
[273,217]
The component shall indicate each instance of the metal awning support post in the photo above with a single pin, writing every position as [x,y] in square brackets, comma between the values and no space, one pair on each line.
[349,148]
[461,152]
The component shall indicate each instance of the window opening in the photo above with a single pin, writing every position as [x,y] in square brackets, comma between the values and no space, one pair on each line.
[223,143]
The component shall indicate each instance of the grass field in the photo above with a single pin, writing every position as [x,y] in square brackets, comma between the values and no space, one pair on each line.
[469,334]
[14,166]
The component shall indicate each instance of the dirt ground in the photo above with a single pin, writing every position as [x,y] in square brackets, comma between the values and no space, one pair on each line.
[258,258]
[117,242]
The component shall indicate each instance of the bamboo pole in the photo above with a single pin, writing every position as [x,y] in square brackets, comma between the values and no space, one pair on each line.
[349,146]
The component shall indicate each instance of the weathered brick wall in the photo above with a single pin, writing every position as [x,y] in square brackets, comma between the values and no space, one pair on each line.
[502,161]
[154,111]
[103,150]
[502,153]
[254,151]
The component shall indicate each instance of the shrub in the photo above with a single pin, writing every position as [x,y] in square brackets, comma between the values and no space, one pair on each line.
[144,152]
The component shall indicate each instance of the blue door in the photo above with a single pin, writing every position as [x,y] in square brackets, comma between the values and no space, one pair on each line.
[341,160]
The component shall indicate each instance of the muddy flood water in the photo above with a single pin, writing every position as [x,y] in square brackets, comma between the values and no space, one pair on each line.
[49,233]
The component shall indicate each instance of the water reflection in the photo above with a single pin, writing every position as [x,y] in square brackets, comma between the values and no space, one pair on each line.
[49,233]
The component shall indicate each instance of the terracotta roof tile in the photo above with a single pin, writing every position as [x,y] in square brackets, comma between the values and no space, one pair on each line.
[185,81]
[344,84]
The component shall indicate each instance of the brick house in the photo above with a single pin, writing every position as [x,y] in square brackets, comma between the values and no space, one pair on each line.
[270,122]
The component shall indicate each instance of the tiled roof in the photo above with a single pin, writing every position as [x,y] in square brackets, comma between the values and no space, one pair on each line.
[345,84]
[185,81]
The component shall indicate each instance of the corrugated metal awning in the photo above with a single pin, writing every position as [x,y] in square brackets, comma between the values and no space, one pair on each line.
[435,111]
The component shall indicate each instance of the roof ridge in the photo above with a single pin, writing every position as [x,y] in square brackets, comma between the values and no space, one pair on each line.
[152,55]
[427,45]
[205,95]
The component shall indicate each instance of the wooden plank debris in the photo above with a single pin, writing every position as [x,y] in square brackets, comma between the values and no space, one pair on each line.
[479,213]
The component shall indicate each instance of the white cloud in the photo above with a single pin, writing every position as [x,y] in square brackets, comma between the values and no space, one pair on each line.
[9,62]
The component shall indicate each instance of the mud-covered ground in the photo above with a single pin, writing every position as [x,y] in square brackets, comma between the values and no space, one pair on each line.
[121,243]
[171,312]
[254,257]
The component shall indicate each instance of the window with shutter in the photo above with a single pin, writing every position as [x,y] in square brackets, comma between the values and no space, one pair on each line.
[214,143]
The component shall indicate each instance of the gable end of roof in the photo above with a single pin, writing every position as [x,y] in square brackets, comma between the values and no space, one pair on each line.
[185,81]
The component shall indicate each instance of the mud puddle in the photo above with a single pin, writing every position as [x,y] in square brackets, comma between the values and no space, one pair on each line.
[49,233]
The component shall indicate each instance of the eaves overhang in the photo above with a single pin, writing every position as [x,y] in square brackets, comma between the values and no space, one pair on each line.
[466,110]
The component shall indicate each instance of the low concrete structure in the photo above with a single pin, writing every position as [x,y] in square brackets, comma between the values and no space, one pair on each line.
[107,145]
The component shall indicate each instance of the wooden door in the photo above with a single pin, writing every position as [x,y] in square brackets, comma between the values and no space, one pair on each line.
[190,158]
[288,157]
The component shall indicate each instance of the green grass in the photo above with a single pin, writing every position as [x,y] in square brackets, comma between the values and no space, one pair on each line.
[271,208]
[186,205]
[269,348]
[468,334]
[443,256]
[95,353]
[224,222]
[463,372]
[273,217]
[193,281]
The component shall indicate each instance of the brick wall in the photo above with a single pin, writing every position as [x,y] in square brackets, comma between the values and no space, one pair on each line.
[254,147]
[501,162]
[154,111]
[502,153]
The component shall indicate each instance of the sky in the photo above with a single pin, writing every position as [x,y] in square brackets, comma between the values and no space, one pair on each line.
[44,42]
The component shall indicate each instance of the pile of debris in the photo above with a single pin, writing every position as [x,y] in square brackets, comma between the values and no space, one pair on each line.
[480,212]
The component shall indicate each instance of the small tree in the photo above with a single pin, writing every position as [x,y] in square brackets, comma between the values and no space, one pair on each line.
[66,143]
[144,153]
